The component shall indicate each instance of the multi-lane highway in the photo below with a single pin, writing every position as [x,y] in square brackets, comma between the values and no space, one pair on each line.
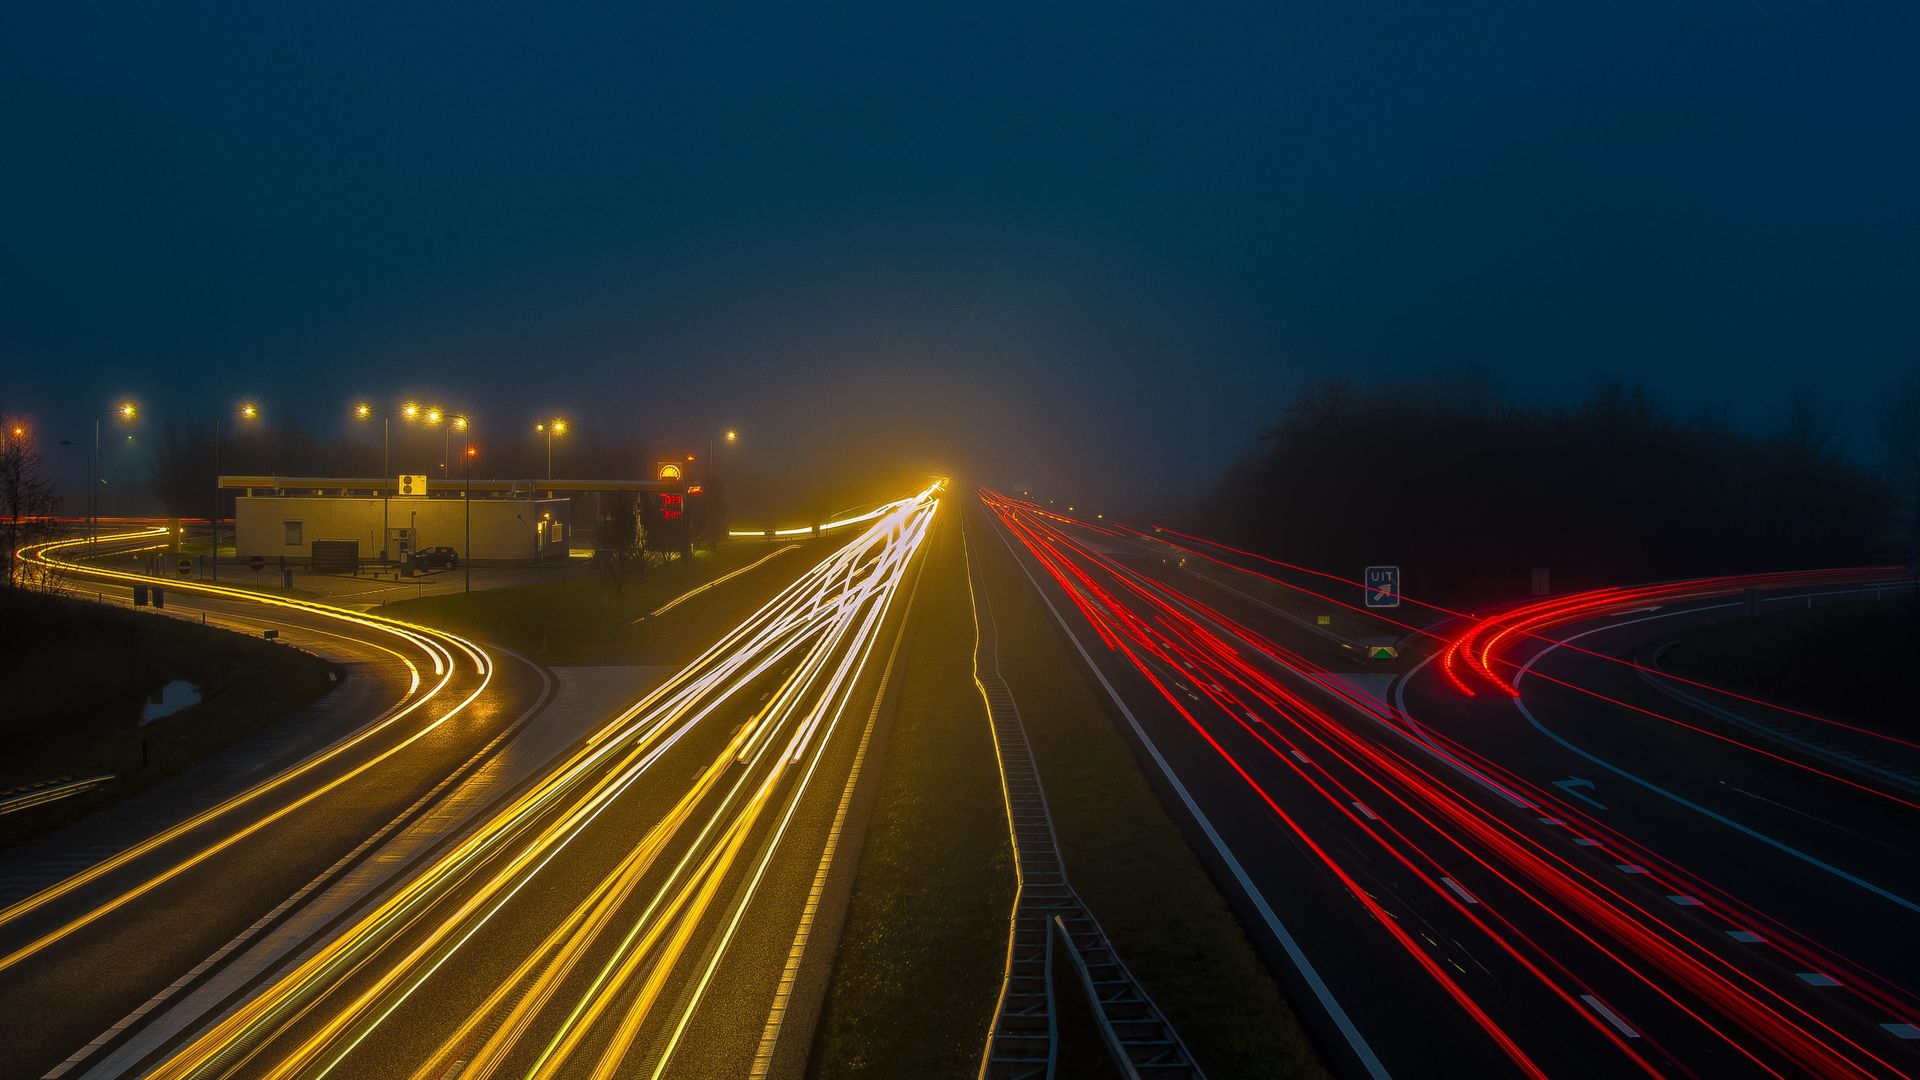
[637,905]
[101,919]
[1507,855]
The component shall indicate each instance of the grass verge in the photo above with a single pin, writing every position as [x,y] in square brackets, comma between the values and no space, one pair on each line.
[586,619]
[75,676]
[1126,857]
[1850,661]
[919,963]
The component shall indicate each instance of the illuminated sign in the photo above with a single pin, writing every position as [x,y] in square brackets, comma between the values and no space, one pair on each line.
[669,470]
[696,489]
[669,506]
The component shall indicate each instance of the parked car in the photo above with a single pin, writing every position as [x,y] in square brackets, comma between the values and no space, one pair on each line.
[436,558]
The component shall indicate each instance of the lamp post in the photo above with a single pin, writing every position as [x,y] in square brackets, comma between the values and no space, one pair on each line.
[466,496]
[363,411]
[249,411]
[555,426]
[127,411]
[464,423]
[732,437]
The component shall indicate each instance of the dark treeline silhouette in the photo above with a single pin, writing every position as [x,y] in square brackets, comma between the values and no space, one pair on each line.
[1469,493]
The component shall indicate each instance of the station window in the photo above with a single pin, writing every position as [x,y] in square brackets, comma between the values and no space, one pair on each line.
[293,533]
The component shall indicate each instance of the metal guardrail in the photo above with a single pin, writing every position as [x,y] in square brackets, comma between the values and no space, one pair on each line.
[1023,1042]
[50,791]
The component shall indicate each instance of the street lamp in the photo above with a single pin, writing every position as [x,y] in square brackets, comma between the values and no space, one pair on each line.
[127,410]
[248,411]
[431,415]
[731,436]
[363,411]
[465,424]
[555,426]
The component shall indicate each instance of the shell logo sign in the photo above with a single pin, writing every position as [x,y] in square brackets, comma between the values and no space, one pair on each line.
[669,470]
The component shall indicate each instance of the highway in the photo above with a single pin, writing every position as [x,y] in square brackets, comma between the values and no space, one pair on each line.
[640,906]
[102,917]
[1500,854]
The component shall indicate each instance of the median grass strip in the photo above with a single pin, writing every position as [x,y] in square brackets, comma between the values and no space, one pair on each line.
[586,619]
[1849,660]
[919,964]
[1126,857]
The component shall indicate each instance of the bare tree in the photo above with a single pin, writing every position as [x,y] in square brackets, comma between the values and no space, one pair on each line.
[623,531]
[27,496]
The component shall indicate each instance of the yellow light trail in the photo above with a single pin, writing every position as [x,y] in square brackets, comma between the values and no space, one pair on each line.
[834,611]
[434,643]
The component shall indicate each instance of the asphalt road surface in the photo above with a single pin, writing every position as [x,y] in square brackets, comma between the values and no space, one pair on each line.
[637,902]
[1571,872]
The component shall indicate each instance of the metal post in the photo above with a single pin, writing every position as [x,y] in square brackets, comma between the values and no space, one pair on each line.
[466,495]
[549,456]
[93,490]
[386,530]
[214,521]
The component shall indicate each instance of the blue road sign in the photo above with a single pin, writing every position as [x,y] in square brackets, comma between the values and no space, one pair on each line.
[1383,586]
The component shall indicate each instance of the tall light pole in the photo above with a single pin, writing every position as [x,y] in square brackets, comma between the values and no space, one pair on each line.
[127,410]
[732,437]
[465,424]
[363,411]
[431,416]
[555,426]
[249,411]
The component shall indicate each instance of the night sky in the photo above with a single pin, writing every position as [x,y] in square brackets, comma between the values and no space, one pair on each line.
[1093,244]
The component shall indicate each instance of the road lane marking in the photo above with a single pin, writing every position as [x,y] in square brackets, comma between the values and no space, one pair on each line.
[1465,896]
[1903,1031]
[1520,703]
[1747,937]
[1362,807]
[1611,1016]
[1684,900]
[1817,978]
[1321,992]
[1630,868]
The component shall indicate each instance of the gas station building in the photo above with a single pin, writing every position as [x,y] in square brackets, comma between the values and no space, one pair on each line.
[512,522]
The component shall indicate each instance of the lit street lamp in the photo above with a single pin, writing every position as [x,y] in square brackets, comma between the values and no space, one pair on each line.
[731,436]
[248,411]
[555,426]
[362,411]
[466,496]
[127,410]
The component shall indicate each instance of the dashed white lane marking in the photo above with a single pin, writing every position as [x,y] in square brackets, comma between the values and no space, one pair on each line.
[1610,1016]
[1630,868]
[1465,896]
[1301,756]
[1584,842]
[1746,936]
[1818,978]
[1362,807]
[1684,900]
[1554,821]
[1903,1031]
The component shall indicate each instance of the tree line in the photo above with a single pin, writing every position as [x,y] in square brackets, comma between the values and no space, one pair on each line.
[1469,493]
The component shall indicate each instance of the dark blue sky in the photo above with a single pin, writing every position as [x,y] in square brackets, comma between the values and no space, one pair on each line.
[1094,241]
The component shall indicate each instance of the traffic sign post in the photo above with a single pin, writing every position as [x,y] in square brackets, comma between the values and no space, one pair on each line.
[257,564]
[185,566]
[1383,586]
